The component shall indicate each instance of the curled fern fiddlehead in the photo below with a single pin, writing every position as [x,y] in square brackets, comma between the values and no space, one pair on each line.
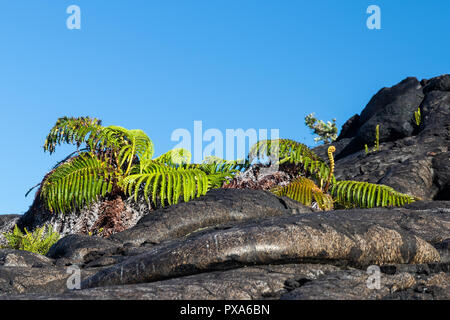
[331,149]
[344,193]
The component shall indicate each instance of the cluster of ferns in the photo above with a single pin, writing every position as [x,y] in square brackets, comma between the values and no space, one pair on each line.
[116,161]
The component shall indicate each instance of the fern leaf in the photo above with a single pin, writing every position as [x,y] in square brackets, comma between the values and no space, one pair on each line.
[283,148]
[368,195]
[290,151]
[305,191]
[71,185]
[175,157]
[166,183]
[129,143]
[73,131]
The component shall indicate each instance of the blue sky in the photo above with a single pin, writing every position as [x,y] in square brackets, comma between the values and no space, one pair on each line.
[160,65]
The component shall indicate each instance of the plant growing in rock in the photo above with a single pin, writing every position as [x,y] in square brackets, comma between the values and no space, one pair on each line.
[417,117]
[376,143]
[377,138]
[39,241]
[316,184]
[114,161]
[327,132]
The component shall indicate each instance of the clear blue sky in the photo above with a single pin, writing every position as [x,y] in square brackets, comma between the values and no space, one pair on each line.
[160,65]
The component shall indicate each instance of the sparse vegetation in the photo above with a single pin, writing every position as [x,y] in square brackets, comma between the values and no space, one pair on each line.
[327,132]
[316,178]
[417,117]
[39,241]
[117,161]
[376,142]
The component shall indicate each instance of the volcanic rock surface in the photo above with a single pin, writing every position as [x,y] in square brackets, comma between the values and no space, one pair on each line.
[413,159]
[243,242]
[286,254]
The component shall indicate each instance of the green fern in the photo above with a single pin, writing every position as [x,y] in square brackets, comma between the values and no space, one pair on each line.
[171,175]
[73,131]
[129,143]
[175,157]
[305,191]
[212,165]
[166,183]
[344,193]
[220,170]
[77,183]
[318,169]
[282,148]
[39,241]
[117,160]
[290,151]
[368,195]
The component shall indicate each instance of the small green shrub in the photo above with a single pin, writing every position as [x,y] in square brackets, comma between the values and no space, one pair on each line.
[327,132]
[39,241]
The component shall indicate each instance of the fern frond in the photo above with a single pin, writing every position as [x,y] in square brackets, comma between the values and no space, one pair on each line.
[216,180]
[166,183]
[290,151]
[330,152]
[212,165]
[305,191]
[220,170]
[318,169]
[175,157]
[283,148]
[39,241]
[77,183]
[73,131]
[368,195]
[130,142]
